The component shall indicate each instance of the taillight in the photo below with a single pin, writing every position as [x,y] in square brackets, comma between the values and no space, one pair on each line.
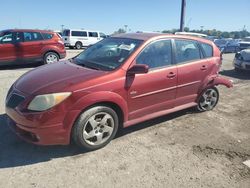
[221,56]
[61,42]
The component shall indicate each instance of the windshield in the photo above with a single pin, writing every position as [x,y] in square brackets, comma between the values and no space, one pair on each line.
[66,33]
[107,54]
[220,42]
[247,39]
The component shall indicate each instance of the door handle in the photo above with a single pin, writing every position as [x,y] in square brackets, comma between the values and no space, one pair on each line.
[171,75]
[204,67]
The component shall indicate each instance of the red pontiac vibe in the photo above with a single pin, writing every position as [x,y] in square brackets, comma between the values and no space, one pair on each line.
[118,82]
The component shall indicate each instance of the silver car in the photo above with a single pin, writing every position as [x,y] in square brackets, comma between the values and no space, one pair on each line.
[242,60]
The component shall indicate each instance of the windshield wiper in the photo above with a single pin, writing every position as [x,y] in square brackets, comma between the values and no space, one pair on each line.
[87,65]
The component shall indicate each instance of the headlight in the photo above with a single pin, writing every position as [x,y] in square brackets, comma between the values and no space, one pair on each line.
[45,102]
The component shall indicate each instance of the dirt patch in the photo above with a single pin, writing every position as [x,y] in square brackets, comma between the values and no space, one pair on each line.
[232,159]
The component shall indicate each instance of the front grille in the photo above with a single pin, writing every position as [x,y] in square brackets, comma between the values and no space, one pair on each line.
[247,66]
[14,100]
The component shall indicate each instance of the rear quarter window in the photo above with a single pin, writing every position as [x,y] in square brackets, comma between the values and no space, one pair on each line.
[47,36]
[93,34]
[207,49]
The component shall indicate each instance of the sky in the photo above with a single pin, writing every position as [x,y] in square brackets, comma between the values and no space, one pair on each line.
[110,15]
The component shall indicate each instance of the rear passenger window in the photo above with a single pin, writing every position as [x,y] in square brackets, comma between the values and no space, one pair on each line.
[93,34]
[32,36]
[79,33]
[37,36]
[157,54]
[47,36]
[186,50]
[19,37]
[208,50]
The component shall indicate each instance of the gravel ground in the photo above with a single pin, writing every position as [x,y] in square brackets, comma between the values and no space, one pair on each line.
[184,149]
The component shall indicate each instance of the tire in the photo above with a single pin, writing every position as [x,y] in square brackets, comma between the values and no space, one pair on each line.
[78,45]
[50,57]
[95,128]
[208,99]
[71,47]
[237,49]
[237,70]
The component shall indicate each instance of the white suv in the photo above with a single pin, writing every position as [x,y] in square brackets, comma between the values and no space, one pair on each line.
[81,38]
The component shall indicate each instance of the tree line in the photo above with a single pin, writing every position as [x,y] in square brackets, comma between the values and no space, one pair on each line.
[217,33]
[210,32]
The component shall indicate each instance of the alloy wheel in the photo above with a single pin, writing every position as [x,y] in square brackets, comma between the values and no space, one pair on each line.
[98,128]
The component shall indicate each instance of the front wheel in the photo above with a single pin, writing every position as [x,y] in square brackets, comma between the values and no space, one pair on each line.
[208,99]
[95,127]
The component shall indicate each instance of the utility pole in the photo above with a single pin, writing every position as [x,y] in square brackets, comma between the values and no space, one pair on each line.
[183,10]
[126,28]
[62,27]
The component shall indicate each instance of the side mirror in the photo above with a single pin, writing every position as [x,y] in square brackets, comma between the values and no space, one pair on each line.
[222,50]
[138,69]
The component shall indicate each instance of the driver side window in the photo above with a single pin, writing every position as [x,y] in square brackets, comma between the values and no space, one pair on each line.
[157,54]
[7,38]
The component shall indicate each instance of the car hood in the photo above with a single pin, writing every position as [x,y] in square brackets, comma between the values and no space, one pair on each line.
[56,77]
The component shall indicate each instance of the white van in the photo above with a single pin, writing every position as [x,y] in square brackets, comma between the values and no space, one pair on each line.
[81,38]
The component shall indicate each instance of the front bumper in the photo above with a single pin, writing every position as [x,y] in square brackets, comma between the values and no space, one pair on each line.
[241,64]
[51,127]
[53,135]
[67,44]
[62,55]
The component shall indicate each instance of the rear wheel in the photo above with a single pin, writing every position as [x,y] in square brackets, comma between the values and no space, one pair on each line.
[208,100]
[50,57]
[95,127]
[78,45]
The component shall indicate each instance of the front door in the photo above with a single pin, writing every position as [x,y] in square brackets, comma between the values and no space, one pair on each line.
[7,48]
[156,90]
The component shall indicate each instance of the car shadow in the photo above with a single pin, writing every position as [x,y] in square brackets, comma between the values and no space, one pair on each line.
[14,152]
[242,75]
[21,66]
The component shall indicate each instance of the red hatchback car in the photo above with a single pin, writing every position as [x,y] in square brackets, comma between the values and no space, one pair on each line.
[19,46]
[118,82]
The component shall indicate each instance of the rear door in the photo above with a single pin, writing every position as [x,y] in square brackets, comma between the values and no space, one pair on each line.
[192,69]
[79,36]
[156,90]
[32,46]
[7,47]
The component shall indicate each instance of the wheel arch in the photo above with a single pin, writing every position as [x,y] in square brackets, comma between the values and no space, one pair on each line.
[112,100]
[213,81]
[79,42]
[51,50]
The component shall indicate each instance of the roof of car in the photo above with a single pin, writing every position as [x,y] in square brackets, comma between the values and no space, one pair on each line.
[139,36]
[28,30]
[147,36]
